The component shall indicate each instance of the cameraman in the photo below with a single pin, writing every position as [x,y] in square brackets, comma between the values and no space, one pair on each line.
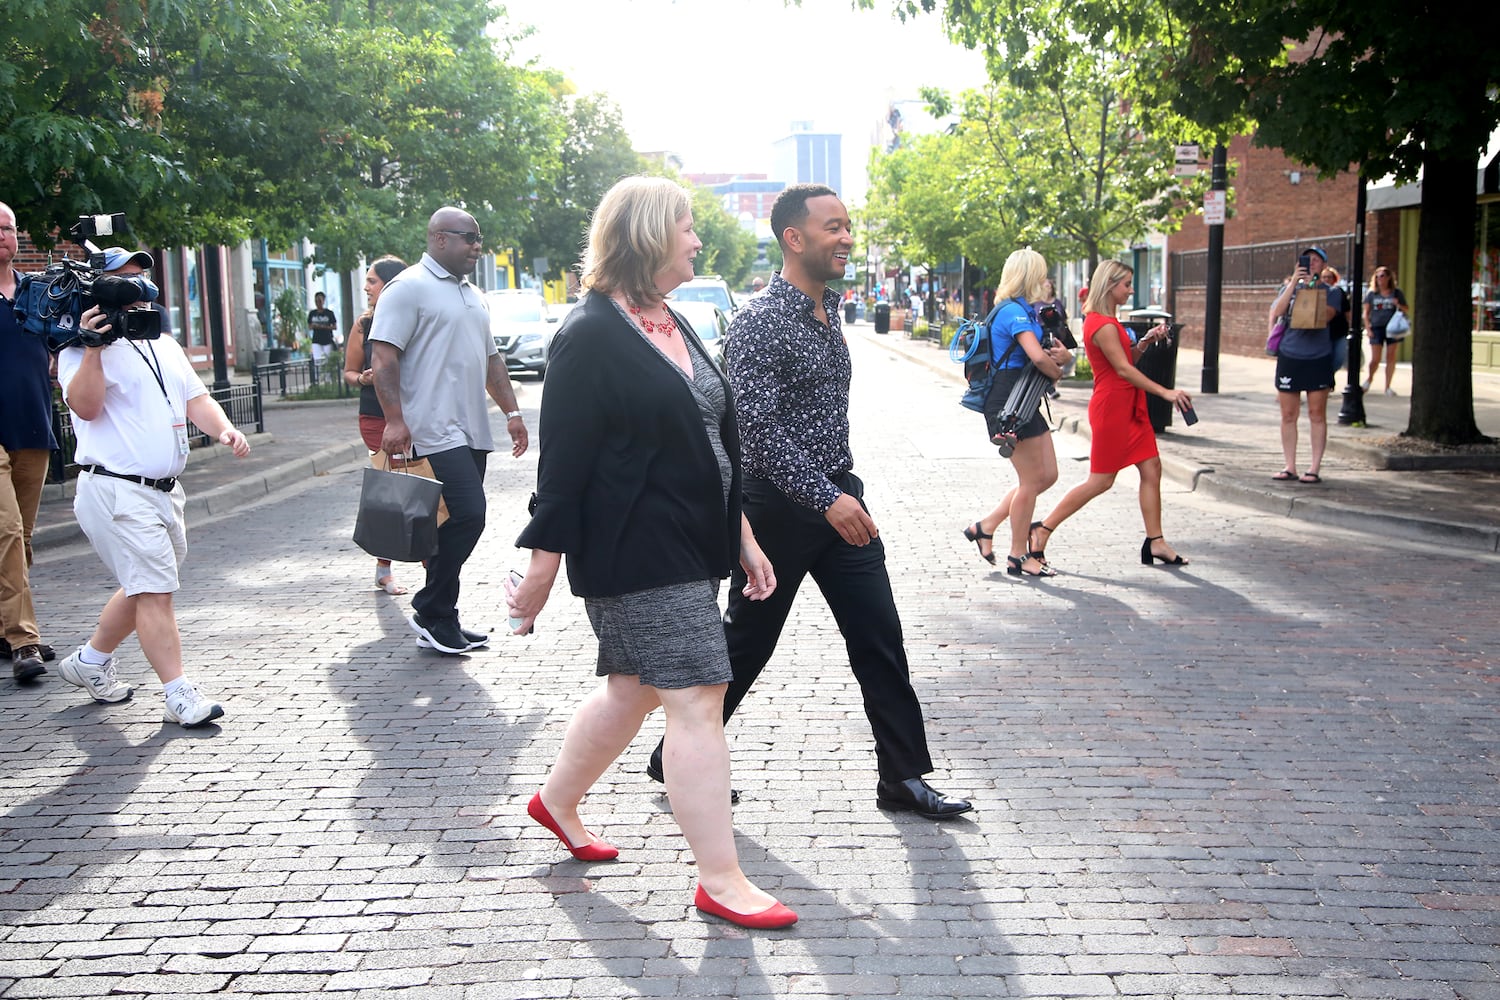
[131,403]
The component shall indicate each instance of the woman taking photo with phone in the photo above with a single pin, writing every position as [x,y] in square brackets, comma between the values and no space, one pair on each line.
[1119,427]
[1304,362]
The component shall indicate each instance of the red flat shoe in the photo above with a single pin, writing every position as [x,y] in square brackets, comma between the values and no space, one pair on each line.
[774,916]
[597,851]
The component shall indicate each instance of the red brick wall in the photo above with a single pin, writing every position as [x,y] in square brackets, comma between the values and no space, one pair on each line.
[1268,208]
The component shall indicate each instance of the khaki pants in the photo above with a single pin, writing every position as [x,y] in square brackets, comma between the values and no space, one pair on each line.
[22,474]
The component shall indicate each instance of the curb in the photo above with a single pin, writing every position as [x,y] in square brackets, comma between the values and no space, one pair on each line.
[230,496]
[1204,479]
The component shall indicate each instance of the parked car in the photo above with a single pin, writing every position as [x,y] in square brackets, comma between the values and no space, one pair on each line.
[708,322]
[523,324]
[707,288]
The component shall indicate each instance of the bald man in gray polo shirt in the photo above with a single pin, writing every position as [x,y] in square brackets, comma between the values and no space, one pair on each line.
[434,360]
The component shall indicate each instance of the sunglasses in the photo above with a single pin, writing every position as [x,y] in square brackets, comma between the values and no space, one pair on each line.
[470,238]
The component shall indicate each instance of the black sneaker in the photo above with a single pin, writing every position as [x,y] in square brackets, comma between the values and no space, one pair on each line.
[476,640]
[443,636]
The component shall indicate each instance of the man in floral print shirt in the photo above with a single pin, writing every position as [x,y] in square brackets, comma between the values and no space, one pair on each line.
[789,367]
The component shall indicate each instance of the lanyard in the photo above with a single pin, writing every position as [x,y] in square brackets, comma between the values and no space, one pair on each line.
[156,371]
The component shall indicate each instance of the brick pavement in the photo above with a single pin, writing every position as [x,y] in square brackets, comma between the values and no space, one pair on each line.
[1270,774]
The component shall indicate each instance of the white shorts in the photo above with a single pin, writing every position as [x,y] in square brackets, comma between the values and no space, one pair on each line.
[321,351]
[139,532]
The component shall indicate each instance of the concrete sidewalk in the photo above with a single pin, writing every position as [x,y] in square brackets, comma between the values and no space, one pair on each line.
[1372,480]
[1230,454]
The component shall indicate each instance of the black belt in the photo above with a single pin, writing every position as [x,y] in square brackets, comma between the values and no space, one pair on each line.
[165,485]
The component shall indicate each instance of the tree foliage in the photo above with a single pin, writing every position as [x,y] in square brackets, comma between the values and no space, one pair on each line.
[208,122]
[1059,163]
[595,153]
[1378,87]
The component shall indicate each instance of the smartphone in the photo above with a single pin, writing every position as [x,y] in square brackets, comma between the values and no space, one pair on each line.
[1304,261]
[515,581]
[1189,415]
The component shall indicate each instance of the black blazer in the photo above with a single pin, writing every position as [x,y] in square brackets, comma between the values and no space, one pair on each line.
[627,483]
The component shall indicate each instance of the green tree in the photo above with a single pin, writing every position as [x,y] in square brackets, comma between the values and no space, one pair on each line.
[1372,88]
[1064,164]
[595,153]
[208,122]
[728,248]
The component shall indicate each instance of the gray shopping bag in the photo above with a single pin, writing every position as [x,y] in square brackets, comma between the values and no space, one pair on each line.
[398,515]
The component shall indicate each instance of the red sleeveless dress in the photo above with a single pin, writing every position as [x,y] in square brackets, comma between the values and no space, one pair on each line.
[1119,426]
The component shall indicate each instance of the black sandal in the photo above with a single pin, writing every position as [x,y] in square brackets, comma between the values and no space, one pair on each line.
[1046,569]
[1030,533]
[976,535]
[1017,562]
[1148,557]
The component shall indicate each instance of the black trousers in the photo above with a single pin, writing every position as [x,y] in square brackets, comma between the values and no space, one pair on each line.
[462,473]
[800,541]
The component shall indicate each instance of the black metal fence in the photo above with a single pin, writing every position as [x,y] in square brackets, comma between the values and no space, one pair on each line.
[1260,264]
[241,402]
[293,378]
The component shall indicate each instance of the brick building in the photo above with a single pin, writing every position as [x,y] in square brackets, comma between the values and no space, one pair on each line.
[1278,207]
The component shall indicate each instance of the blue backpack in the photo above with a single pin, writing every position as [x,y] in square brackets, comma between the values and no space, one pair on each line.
[970,347]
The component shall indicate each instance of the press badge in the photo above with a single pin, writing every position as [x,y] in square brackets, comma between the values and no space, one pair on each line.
[182,438]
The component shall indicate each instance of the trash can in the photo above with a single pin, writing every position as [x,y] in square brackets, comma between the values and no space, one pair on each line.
[882,317]
[849,311]
[1159,363]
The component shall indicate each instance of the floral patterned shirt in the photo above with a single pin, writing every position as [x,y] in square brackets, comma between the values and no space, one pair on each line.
[790,374]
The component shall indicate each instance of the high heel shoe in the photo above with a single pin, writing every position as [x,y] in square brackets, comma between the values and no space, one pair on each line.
[1015,564]
[597,851]
[975,535]
[1147,556]
[1039,554]
[774,916]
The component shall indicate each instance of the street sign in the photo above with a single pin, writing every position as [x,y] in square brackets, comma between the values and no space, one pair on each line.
[1187,157]
[1214,204]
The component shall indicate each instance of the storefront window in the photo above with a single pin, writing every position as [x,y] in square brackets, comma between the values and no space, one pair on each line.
[1486,289]
[192,334]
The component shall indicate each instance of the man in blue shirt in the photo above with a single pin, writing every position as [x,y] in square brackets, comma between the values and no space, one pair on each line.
[26,444]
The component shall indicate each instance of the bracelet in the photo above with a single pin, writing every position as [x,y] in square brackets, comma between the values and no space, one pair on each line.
[513,414]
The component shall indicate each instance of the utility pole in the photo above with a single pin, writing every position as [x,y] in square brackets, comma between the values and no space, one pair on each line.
[1352,412]
[1214,277]
[213,302]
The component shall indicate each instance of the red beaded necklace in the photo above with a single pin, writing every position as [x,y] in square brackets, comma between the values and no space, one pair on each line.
[667,326]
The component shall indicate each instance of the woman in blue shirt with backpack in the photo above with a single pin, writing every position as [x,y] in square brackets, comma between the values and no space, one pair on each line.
[1015,343]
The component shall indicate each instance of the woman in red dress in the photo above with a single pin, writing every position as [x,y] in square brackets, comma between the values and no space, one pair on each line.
[1120,429]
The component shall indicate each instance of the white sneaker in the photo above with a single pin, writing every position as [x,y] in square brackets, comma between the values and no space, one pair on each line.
[188,708]
[1390,392]
[1364,386]
[99,681]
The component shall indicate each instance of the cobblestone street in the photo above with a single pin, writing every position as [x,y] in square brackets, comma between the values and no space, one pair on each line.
[1271,773]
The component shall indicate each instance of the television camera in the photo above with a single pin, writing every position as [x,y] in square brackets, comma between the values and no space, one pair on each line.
[50,303]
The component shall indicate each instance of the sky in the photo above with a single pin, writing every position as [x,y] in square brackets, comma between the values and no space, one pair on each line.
[718,81]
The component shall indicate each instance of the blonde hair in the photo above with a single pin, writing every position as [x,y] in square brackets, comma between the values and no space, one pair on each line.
[632,236]
[1022,276]
[1375,277]
[1107,275]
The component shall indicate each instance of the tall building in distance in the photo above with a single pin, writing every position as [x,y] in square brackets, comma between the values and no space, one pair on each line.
[808,157]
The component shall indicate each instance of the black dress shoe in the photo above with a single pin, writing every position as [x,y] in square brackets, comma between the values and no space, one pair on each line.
[26,664]
[655,773]
[916,795]
[48,653]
